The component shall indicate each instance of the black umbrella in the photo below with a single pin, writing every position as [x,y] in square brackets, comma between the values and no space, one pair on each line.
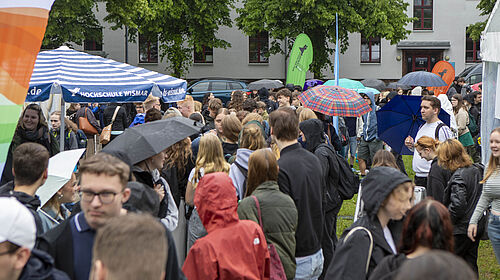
[374,83]
[422,78]
[146,140]
[269,84]
[396,85]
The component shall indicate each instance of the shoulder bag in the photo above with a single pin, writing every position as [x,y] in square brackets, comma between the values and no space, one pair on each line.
[105,136]
[84,124]
[277,271]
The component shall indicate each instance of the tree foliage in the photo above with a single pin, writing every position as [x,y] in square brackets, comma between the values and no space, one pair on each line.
[181,26]
[70,21]
[475,29]
[316,18]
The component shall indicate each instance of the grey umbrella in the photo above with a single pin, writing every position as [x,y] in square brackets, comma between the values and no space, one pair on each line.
[422,78]
[374,83]
[396,85]
[265,83]
[146,140]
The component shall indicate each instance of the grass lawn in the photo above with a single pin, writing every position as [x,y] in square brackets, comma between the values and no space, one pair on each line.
[488,265]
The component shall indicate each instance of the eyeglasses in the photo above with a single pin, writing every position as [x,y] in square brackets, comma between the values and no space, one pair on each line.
[104,197]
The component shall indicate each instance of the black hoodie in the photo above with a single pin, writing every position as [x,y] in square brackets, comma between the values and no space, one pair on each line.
[313,133]
[350,258]
[40,266]
[264,97]
[31,202]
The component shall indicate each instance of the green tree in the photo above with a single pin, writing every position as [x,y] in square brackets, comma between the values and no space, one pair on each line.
[316,18]
[71,21]
[181,27]
[475,29]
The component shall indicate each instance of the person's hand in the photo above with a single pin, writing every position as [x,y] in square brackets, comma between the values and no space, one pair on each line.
[409,142]
[160,191]
[472,231]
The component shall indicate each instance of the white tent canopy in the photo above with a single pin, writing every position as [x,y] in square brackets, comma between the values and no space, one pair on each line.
[490,111]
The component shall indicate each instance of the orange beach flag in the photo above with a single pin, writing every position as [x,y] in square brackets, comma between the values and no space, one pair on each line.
[446,71]
[22,27]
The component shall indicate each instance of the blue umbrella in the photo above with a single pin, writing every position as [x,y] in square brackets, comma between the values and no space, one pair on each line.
[401,117]
[423,79]
[345,83]
[368,89]
[312,83]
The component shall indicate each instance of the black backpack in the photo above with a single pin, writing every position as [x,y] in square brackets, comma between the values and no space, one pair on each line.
[243,171]
[348,183]
[81,139]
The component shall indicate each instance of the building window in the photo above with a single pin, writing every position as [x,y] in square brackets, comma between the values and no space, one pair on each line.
[422,10]
[148,49]
[258,50]
[93,41]
[472,50]
[205,56]
[370,50]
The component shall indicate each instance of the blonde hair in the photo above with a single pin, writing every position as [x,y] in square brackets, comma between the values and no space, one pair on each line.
[307,114]
[178,155]
[452,155]
[172,112]
[426,142]
[252,117]
[150,101]
[403,188]
[197,106]
[493,163]
[210,157]
[384,158]
[251,137]
[187,99]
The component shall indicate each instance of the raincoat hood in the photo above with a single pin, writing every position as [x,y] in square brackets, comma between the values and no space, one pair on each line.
[313,132]
[242,156]
[216,202]
[263,93]
[377,186]
[372,98]
[41,266]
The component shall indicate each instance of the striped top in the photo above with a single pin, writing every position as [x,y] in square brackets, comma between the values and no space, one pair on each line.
[490,194]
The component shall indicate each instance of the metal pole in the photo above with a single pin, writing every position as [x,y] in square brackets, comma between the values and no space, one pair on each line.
[286,55]
[63,125]
[126,44]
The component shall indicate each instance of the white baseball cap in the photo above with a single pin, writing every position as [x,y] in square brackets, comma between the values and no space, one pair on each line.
[17,223]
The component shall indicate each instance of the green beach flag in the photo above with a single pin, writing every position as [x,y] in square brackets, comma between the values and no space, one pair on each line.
[22,27]
[301,57]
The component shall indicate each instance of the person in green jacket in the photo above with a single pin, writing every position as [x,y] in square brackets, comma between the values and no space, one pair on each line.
[278,211]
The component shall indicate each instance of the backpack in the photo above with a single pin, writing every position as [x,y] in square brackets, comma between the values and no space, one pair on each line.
[343,132]
[436,132]
[348,181]
[243,171]
[81,138]
[472,125]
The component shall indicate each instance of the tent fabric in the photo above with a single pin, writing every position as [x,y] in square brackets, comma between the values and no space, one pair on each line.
[88,78]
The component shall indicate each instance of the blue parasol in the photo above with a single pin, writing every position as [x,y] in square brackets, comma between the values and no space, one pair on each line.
[401,118]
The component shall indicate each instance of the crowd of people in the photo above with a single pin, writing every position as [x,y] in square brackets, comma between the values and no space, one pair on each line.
[260,186]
